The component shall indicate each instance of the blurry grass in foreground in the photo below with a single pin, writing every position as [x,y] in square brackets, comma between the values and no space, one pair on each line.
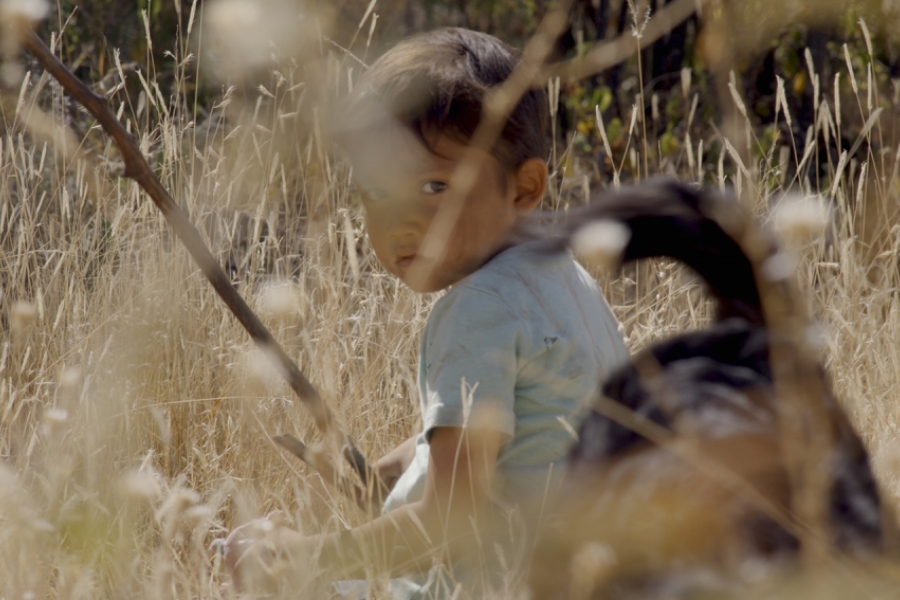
[134,417]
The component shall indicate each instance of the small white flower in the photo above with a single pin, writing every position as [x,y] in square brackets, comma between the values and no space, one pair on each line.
[16,18]
[54,420]
[70,379]
[601,243]
[801,220]
[280,300]
[779,266]
[263,370]
[230,16]
[12,74]
[32,10]
[243,35]
[818,337]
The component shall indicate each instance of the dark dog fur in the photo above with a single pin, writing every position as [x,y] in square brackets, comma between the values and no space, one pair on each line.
[711,390]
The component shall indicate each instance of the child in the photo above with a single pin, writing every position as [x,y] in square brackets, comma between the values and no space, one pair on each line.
[511,354]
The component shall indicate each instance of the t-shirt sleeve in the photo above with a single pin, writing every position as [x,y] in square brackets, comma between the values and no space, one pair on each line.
[469,362]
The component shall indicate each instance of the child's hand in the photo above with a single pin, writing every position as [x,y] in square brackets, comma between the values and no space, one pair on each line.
[392,465]
[257,552]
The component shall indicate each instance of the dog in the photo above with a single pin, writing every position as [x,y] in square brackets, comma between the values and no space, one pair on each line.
[693,460]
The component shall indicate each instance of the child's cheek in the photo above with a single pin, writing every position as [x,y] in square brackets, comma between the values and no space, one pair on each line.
[371,227]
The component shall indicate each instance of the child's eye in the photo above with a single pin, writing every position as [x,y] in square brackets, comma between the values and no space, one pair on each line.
[434,187]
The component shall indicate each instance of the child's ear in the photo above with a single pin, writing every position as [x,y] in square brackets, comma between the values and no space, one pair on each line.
[531,184]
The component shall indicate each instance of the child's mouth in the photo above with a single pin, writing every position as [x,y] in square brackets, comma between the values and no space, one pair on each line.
[404,262]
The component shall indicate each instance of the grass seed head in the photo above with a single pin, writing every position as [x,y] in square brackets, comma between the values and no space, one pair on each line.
[22,316]
[139,487]
[55,419]
[590,564]
[279,301]
[780,266]
[177,511]
[70,379]
[30,10]
[244,35]
[16,19]
[197,516]
[601,243]
[263,372]
[11,74]
[802,220]
[818,337]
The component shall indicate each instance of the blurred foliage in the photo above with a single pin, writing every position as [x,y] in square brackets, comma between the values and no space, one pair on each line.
[653,85]
[94,29]
[767,39]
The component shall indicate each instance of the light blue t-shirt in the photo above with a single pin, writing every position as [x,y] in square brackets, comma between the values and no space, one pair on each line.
[530,336]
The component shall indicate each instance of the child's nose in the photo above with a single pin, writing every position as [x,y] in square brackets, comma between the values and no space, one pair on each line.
[411,218]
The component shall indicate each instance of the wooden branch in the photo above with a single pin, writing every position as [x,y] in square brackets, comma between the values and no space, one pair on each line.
[606,54]
[321,465]
[137,168]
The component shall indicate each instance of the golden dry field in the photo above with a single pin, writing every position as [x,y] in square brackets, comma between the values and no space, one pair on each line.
[135,414]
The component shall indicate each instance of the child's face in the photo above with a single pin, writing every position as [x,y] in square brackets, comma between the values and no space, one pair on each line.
[402,185]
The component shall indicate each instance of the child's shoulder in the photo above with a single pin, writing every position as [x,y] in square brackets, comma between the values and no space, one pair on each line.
[520,266]
[526,270]
[525,283]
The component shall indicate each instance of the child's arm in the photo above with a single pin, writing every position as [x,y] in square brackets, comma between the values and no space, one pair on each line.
[455,501]
[471,344]
[393,464]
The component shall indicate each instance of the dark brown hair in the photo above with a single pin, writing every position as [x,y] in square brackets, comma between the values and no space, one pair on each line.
[436,82]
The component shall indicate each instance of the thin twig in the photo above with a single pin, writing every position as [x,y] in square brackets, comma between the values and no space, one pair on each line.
[321,465]
[137,168]
[603,55]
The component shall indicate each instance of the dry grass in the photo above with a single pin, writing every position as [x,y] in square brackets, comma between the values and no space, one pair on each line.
[134,416]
